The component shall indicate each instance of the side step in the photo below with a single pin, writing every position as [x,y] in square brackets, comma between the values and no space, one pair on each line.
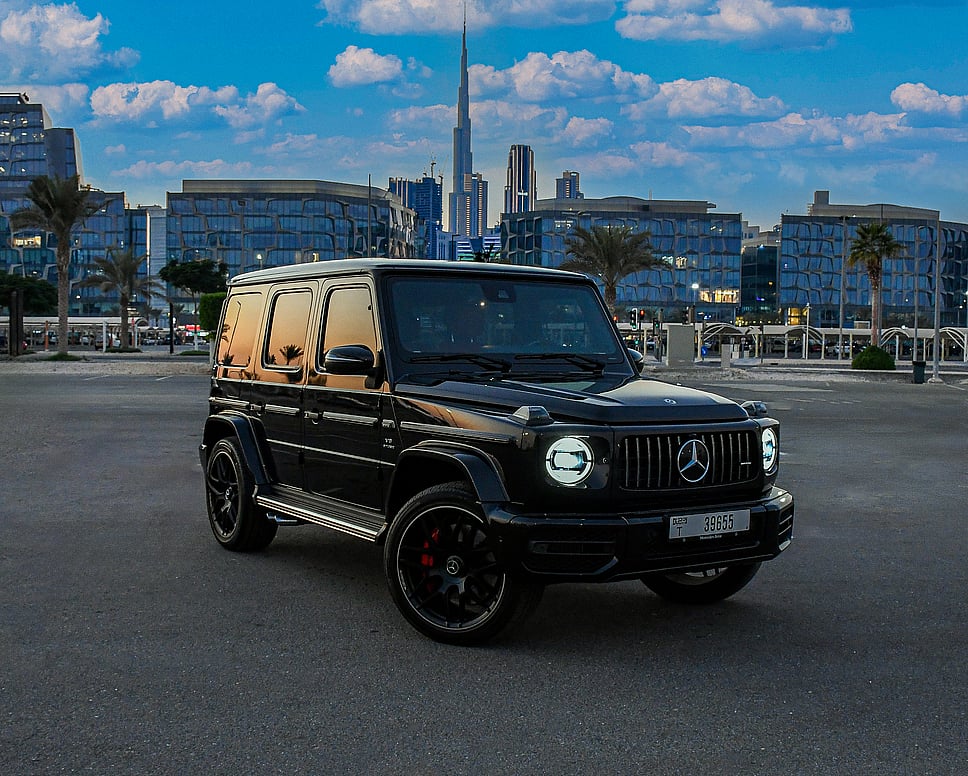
[290,509]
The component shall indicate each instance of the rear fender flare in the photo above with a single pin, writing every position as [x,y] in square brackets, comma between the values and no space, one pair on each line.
[251,438]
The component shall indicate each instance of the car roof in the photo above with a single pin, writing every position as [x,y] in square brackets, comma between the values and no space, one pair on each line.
[323,269]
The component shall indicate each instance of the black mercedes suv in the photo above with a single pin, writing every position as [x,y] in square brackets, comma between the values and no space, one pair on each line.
[487,426]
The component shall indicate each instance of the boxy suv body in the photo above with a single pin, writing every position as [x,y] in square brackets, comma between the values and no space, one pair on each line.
[487,425]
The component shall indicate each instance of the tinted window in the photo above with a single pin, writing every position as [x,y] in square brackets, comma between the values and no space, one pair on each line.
[349,319]
[512,316]
[286,333]
[243,314]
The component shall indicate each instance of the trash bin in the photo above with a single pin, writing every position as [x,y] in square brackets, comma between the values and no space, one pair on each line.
[918,367]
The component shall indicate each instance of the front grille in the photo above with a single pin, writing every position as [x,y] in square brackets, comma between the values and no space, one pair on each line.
[651,462]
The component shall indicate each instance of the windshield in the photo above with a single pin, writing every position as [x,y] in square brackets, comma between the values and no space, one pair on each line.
[526,324]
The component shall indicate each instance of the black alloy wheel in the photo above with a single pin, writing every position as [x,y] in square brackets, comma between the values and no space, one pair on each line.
[238,524]
[442,570]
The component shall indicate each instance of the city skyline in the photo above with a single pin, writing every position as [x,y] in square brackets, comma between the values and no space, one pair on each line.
[750,104]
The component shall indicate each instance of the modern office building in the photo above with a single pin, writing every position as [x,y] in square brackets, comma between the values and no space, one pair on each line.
[251,224]
[521,189]
[567,186]
[468,197]
[814,271]
[700,249]
[759,276]
[425,197]
[31,147]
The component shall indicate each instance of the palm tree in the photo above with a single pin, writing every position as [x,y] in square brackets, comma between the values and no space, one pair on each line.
[117,273]
[57,205]
[609,253]
[874,243]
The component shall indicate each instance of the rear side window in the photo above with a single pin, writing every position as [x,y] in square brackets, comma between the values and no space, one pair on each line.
[243,313]
[286,333]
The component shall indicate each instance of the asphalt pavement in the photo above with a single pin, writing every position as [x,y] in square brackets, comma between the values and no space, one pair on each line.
[132,643]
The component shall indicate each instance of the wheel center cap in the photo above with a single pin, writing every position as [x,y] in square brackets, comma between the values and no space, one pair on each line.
[454,565]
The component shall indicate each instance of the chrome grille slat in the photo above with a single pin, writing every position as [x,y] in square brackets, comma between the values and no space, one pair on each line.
[649,460]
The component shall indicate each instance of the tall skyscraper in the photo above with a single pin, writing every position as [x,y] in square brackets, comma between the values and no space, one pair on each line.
[521,190]
[566,187]
[30,146]
[468,215]
[425,197]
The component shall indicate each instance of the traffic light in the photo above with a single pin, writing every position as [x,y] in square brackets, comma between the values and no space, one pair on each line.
[634,318]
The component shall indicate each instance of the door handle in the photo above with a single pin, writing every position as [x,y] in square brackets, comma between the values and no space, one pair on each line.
[311,415]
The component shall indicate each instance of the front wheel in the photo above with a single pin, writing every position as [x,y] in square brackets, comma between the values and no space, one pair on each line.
[701,587]
[238,524]
[442,571]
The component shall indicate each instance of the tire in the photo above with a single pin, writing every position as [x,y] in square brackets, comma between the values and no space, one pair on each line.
[238,524]
[701,587]
[442,572]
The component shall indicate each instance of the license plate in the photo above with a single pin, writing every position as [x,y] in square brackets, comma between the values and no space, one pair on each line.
[709,524]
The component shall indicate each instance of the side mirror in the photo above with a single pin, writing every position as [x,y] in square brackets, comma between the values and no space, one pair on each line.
[755,409]
[349,360]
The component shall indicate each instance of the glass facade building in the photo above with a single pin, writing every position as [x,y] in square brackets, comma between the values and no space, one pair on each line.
[701,250]
[813,266]
[425,197]
[521,189]
[29,148]
[251,224]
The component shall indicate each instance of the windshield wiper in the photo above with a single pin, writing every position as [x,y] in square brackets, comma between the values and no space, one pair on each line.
[578,359]
[499,364]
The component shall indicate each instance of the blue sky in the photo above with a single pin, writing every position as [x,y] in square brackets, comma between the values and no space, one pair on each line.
[750,104]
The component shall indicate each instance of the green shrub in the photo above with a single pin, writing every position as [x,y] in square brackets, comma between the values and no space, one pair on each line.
[209,310]
[873,358]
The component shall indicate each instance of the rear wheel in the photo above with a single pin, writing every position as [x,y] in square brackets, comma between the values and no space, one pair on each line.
[238,524]
[701,587]
[442,571]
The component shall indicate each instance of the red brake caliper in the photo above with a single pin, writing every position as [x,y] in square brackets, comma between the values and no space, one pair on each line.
[427,559]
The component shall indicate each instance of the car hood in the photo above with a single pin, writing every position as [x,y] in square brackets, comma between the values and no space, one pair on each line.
[627,400]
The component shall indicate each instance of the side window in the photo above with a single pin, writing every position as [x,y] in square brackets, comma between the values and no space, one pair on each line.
[285,342]
[243,313]
[348,321]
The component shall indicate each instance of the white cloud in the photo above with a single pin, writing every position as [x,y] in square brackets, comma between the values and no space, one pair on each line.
[400,17]
[362,66]
[585,132]
[751,22]
[850,132]
[266,105]
[663,155]
[154,100]
[919,97]
[52,42]
[564,75]
[705,97]
[60,101]
[215,168]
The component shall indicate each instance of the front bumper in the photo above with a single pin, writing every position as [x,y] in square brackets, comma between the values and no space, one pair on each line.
[577,548]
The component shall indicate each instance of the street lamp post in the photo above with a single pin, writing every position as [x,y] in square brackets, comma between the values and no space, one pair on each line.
[936,365]
[843,285]
[806,334]
[695,315]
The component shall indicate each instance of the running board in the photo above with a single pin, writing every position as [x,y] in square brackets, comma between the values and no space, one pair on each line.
[342,520]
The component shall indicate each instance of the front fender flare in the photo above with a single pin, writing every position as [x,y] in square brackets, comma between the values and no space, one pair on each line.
[418,467]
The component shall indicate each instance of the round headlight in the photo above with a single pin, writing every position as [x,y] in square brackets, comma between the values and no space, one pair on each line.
[569,461]
[771,450]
